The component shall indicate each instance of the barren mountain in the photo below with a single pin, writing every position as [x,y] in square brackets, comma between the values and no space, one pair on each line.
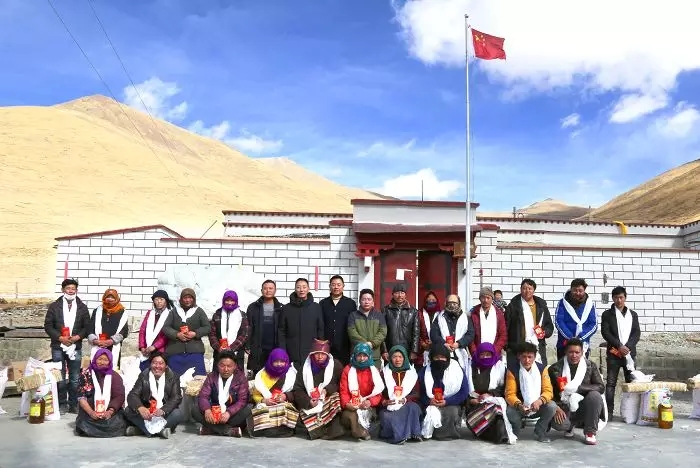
[91,164]
[672,197]
[548,208]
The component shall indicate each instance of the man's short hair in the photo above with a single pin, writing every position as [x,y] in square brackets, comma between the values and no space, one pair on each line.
[574,342]
[269,281]
[156,354]
[301,280]
[68,282]
[336,277]
[366,291]
[530,282]
[617,290]
[527,347]
[579,282]
[497,291]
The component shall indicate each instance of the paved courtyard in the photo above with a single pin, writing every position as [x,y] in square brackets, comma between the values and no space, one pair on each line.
[620,445]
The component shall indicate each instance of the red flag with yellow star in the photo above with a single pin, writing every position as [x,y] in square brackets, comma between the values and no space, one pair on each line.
[488,47]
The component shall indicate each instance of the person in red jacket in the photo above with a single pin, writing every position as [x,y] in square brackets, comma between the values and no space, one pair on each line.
[489,323]
[361,388]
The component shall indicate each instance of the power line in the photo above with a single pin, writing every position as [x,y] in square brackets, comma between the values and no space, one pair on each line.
[109,89]
[126,72]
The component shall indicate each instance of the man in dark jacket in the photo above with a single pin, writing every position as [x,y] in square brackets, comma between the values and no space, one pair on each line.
[263,320]
[534,328]
[620,329]
[336,309]
[67,323]
[301,321]
[403,326]
[145,402]
[578,391]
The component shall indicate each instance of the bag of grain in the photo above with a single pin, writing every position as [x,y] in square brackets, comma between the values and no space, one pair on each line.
[649,407]
[629,407]
[695,410]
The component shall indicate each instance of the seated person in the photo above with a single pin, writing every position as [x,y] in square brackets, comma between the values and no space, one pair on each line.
[100,399]
[488,378]
[529,393]
[361,388]
[222,406]
[400,414]
[274,414]
[579,393]
[154,401]
[444,387]
[316,393]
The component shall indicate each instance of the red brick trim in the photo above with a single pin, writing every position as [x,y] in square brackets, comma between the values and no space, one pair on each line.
[285,213]
[259,240]
[276,225]
[489,227]
[510,245]
[119,231]
[417,203]
[340,222]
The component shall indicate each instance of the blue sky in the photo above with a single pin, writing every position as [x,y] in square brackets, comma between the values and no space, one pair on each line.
[371,93]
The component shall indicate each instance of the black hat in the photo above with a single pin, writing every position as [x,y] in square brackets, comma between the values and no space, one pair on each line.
[399,287]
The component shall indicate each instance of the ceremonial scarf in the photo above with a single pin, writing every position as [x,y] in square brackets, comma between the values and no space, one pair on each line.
[530,384]
[157,388]
[116,307]
[489,324]
[624,325]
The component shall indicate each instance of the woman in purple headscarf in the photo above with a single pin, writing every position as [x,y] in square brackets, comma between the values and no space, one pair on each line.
[486,406]
[274,414]
[229,328]
[100,399]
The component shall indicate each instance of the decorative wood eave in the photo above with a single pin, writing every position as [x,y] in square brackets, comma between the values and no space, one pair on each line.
[371,250]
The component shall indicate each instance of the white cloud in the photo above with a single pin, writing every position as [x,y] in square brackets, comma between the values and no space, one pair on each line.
[384,149]
[409,186]
[632,106]
[680,124]
[571,120]
[157,96]
[632,47]
[245,142]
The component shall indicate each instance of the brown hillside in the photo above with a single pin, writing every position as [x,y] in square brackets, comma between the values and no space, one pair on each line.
[672,197]
[548,208]
[81,166]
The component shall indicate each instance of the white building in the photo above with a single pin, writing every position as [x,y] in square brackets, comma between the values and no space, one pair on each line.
[420,243]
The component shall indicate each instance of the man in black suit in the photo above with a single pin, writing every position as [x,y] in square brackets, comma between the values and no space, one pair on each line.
[620,329]
[528,319]
[336,309]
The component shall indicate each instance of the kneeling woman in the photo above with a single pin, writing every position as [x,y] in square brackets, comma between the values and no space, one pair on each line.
[444,389]
[154,402]
[100,399]
[486,406]
[361,388]
[274,414]
[400,415]
[223,407]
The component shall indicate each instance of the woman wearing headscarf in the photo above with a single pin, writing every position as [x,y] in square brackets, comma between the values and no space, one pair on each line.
[274,414]
[400,414]
[444,389]
[229,328]
[100,399]
[316,393]
[185,329]
[431,307]
[486,405]
[109,326]
[151,336]
[361,387]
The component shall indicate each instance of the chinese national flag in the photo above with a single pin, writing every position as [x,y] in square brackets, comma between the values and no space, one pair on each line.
[488,47]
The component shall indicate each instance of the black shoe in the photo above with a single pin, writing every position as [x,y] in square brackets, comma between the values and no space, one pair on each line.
[63,409]
[73,409]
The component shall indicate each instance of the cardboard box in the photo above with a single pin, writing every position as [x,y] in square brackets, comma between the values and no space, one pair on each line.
[16,370]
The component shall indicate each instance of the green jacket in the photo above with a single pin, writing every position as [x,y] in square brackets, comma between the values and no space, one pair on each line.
[367,328]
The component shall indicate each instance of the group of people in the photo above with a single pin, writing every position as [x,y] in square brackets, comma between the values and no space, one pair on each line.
[334,368]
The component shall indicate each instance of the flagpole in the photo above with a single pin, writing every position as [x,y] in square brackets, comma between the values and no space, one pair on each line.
[468,234]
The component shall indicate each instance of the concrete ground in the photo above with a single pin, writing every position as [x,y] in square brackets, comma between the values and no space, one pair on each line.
[619,446]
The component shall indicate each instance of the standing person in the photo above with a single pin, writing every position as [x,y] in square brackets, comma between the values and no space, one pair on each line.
[67,322]
[498,299]
[152,339]
[367,325]
[575,317]
[454,330]
[489,323]
[229,328]
[620,329]
[336,309]
[402,323]
[431,307]
[109,326]
[301,322]
[185,330]
[528,319]
[263,319]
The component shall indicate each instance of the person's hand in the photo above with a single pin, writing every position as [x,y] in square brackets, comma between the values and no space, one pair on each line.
[270,401]
[386,403]
[385,356]
[75,338]
[190,334]
[369,343]
[181,336]
[144,352]
[559,416]
[438,403]
[281,398]
[523,409]
[484,396]
[225,416]
[107,343]
[535,406]
[108,414]
[64,340]
[624,350]
[473,401]
[159,412]
[365,404]
[351,407]
[209,417]
[313,402]
[144,413]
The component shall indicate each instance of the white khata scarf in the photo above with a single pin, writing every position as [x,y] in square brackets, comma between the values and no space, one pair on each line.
[231,325]
[407,383]
[289,378]
[530,384]
[117,347]
[157,388]
[489,325]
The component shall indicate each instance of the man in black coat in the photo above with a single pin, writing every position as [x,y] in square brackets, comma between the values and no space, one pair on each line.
[67,323]
[620,329]
[301,321]
[263,320]
[539,321]
[402,323]
[336,309]
[143,402]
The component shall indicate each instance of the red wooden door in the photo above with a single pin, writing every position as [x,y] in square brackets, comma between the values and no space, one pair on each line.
[386,277]
[435,273]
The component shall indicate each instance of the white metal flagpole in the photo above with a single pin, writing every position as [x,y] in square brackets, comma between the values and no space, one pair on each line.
[468,235]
